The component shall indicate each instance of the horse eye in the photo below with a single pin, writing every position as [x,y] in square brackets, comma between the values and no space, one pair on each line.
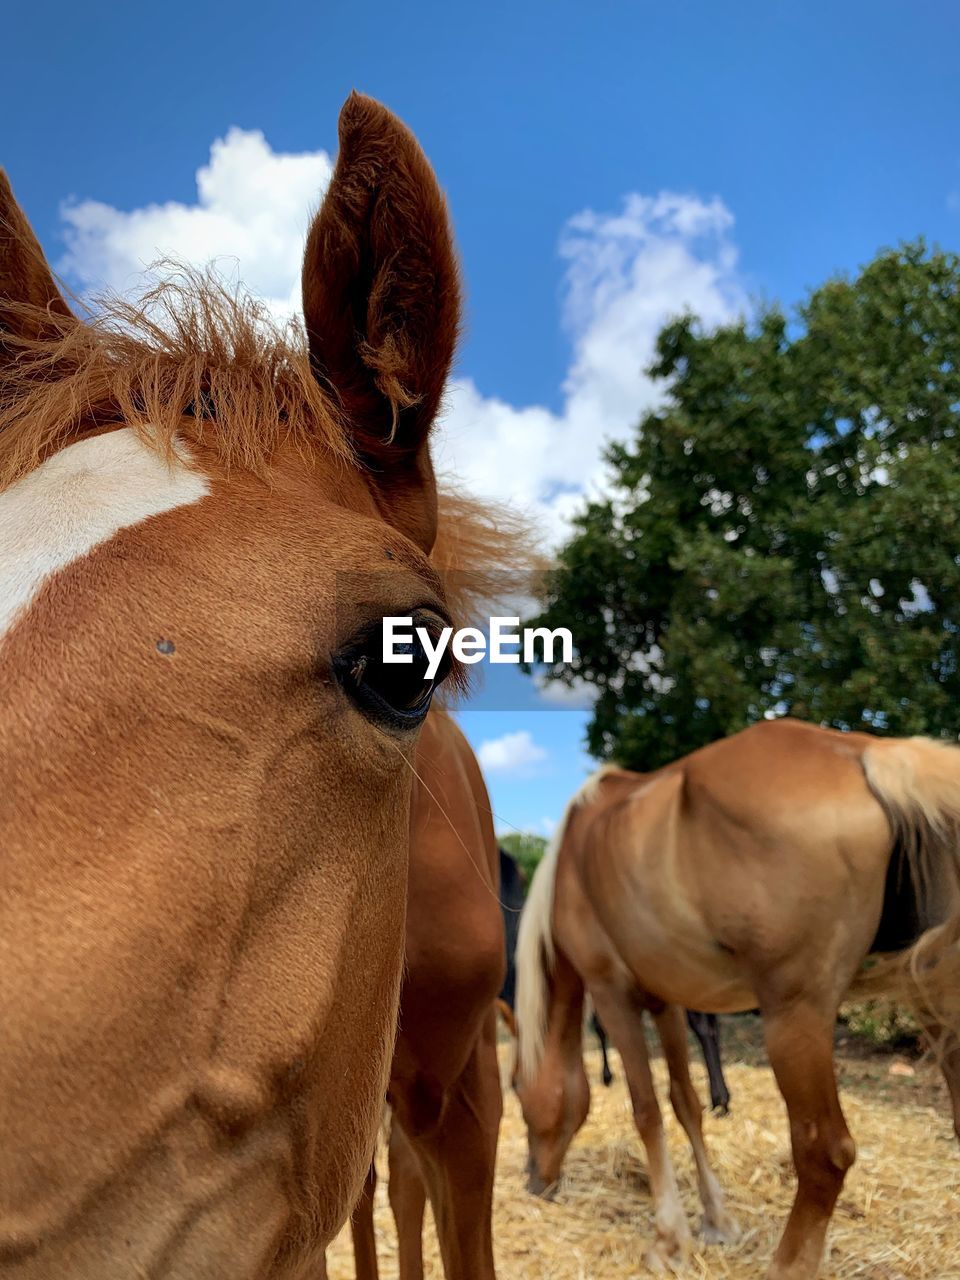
[395,695]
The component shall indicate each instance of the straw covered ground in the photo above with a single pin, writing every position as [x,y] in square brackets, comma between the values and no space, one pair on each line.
[898,1217]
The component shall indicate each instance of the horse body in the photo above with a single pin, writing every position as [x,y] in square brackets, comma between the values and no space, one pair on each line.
[705,922]
[753,872]
[205,790]
[444,1090]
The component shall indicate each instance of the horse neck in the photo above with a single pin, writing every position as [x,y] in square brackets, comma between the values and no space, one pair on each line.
[564,1038]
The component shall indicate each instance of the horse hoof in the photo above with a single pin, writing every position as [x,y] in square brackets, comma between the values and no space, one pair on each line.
[659,1265]
[542,1190]
[724,1231]
[667,1257]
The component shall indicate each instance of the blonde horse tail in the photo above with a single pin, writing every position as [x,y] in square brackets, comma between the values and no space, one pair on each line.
[535,945]
[918,782]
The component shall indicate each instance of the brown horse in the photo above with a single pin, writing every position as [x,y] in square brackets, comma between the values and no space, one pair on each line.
[761,870]
[445,1081]
[205,779]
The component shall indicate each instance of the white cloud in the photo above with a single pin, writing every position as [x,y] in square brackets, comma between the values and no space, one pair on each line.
[626,274]
[251,216]
[512,753]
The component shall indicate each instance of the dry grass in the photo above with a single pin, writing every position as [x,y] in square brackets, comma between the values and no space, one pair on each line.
[896,1220]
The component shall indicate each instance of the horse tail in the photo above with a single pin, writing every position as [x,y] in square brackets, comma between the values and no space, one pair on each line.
[535,946]
[918,782]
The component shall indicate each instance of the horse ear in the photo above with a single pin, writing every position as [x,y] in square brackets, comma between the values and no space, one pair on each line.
[381,300]
[28,291]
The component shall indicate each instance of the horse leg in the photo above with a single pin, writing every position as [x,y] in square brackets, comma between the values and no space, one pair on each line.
[457,1154]
[718,1225]
[950,1066]
[622,1016]
[799,1039]
[362,1230]
[408,1198]
[606,1074]
[707,1030]
[946,1046]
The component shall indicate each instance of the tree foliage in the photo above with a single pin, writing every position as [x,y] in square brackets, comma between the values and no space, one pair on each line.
[526,849]
[782,536]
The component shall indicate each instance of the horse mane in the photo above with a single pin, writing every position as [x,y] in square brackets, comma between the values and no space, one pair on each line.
[187,347]
[536,951]
[189,357]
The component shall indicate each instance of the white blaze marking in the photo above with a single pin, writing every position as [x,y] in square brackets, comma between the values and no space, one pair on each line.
[77,499]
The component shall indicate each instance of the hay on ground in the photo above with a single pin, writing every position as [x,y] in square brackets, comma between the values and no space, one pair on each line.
[897,1218]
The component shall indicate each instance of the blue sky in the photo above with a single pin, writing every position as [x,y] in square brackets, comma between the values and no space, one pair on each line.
[606,165]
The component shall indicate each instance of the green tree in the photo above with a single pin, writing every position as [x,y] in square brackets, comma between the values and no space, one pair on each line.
[526,848]
[782,536]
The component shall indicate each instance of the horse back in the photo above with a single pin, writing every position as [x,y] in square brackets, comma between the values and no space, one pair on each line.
[736,856]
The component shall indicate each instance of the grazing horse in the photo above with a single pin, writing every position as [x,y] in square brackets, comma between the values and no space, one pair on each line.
[205,768]
[761,870]
[444,1091]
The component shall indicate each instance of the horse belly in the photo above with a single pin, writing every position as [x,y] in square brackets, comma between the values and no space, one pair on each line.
[671,955]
